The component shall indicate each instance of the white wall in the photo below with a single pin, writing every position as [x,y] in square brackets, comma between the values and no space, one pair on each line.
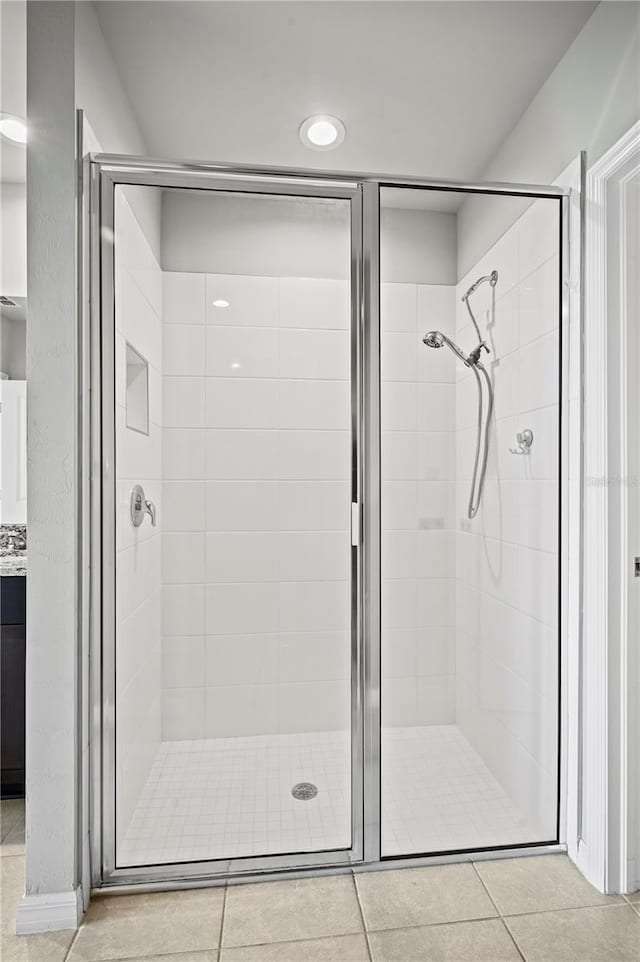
[288,237]
[66,68]
[13,347]
[247,681]
[470,630]
[253,235]
[507,560]
[138,285]
[102,97]
[256,465]
[418,499]
[418,270]
[274,509]
[13,87]
[13,240]
[589,100]
[13,452]
[52,715]
[256,494]
[417,246]
[109,125]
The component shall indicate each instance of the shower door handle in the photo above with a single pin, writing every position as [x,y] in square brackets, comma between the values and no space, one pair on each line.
[140,506]
[355,524]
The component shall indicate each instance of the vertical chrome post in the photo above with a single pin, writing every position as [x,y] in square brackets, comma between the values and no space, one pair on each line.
[357,474]
[108,519]
[565,334]
[92,181]
[581,259]
[572,510]
[371,518]
[84,355]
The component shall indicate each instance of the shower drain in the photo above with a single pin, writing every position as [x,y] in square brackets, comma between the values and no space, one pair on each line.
[303,791]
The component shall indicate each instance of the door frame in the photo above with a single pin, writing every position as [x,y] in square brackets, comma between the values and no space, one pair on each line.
[363,190]
[609,830]
[106,177]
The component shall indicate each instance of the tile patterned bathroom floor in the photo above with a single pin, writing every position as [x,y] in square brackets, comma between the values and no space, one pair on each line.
[534,909]
[231,797]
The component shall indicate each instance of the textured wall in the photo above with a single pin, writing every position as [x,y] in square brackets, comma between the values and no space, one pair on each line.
[52,649]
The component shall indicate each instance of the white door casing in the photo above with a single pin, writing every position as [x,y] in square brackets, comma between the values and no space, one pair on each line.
[607,850]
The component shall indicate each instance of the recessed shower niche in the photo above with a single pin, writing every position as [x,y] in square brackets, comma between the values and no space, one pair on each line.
[137,390]
[339,642]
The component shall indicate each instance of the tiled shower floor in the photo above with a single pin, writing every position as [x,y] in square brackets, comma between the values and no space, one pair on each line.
[231,797]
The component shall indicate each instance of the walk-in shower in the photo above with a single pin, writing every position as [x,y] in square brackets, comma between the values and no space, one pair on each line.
[436,339]
[305,654]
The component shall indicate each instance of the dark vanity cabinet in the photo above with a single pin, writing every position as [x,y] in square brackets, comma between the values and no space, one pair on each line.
[12,684]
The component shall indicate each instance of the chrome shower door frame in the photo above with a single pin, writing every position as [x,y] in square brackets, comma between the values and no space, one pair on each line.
[105,175]
[363,190]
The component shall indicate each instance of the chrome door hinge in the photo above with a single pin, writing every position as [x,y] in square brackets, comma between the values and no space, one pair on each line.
[355,525]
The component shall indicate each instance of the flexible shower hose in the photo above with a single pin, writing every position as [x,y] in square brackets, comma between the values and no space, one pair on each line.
[482,441]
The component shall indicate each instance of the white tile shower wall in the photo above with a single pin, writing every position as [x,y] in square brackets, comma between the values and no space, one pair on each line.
[256,494]
[418,499]
[507,560]
[138,284]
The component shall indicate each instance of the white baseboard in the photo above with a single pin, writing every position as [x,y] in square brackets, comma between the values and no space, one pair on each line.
[50,912]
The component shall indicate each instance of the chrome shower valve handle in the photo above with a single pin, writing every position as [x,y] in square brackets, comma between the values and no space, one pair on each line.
[140,506]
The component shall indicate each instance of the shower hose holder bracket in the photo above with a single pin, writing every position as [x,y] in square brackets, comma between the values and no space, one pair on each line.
[525,440]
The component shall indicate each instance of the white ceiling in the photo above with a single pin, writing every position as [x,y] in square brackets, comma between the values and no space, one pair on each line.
[424,88]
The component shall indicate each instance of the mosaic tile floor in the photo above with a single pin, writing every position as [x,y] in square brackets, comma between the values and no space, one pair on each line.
[231,797]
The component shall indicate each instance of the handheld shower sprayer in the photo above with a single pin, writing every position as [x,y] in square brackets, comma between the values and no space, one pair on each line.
[433,339]
[437,339]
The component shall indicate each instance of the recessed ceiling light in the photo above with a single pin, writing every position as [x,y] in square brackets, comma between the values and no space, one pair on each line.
[235,365]
[221,303]
[13,128]
[322,132]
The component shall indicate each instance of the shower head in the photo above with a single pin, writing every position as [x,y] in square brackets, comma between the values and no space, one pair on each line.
[438,339]
[433,339]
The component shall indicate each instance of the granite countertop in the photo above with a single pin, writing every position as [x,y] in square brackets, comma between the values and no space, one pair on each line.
[13,565]
[13,550]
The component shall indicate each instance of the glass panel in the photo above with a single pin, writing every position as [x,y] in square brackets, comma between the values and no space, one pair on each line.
[233,607]
[470,569]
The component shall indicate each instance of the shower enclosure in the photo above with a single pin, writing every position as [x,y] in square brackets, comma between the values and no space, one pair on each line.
[326,556]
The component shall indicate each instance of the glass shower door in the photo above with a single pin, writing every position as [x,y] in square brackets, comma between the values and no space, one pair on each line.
[279,691]
[471,333]
[233,352]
